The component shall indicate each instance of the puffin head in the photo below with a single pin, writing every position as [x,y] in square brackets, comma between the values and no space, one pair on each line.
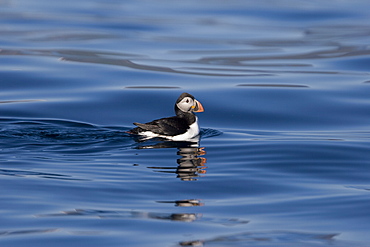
[187,103]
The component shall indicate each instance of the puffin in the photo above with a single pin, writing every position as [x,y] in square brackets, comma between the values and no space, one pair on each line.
[182,127]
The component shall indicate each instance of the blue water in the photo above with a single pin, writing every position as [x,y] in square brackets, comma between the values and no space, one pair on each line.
[283,158]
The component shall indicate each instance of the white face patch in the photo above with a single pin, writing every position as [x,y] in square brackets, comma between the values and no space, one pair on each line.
[186,104]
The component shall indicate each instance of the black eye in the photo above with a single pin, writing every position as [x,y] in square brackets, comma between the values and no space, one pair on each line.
[187,101]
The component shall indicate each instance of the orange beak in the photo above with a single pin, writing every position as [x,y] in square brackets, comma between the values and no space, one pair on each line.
[198,107]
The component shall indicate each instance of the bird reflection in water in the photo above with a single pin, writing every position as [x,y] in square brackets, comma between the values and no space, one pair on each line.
[185,203]
[127,214]
[190,165]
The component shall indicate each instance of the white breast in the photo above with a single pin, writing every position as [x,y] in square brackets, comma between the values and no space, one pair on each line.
[192,132]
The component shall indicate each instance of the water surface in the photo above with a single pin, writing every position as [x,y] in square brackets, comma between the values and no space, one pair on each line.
[283,158]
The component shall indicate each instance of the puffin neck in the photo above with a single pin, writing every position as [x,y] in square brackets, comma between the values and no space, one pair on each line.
[189,116]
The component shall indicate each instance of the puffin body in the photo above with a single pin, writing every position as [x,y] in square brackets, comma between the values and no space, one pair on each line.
[181,127]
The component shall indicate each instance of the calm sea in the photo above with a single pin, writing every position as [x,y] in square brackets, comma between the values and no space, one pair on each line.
[284,155]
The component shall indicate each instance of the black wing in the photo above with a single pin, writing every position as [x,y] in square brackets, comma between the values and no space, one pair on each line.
[165,126]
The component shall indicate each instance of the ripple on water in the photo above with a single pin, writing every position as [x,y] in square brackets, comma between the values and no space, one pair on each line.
[54,131]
